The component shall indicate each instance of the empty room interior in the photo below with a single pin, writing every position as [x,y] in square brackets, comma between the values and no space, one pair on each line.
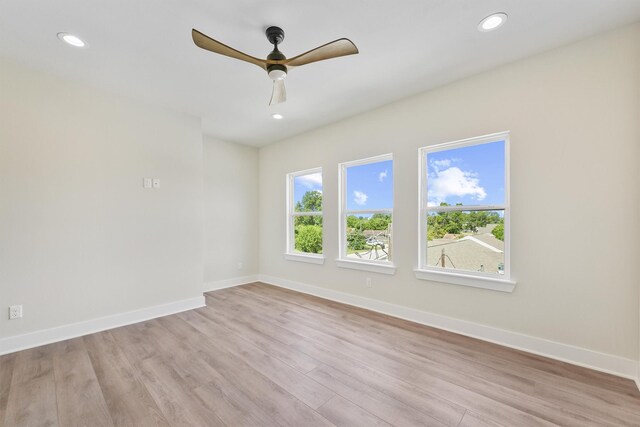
[363,213]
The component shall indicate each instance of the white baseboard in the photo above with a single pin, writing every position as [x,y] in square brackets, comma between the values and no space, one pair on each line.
[61,333]
[603,362]
[229,283]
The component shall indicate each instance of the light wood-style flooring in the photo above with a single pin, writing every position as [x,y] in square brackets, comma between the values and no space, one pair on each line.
[258,355]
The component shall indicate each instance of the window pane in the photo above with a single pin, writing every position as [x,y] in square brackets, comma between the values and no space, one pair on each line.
[369,237]
[468,175]
[307,192]
[370,186]
[308,234]
[469,240]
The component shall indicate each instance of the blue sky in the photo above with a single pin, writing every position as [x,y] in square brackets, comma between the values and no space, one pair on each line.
[370,186]
[304,183]
[468,175]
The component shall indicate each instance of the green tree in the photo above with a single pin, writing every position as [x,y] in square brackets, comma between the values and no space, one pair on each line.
[311,202]
[498,231]
[354,222]
[356,240]
[309,238]
[458,222]
[379,222]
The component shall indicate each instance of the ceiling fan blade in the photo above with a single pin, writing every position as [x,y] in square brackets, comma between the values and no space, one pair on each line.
[207,43]
[334,49]
[279,94]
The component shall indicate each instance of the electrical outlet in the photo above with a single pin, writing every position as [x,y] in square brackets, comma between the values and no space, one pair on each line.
[156,182]
[146,183]
[368,282]
[15,312]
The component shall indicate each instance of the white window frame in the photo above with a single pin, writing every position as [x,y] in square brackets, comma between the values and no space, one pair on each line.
[477,279]
[291,254]
[376,266]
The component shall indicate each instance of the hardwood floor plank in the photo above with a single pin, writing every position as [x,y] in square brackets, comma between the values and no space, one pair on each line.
[562,369]
[258,355]
[296,383]
[472,420]
[412,392]
[178,403]
[379,353]
[132,341]
[344,413]
[78,393]
[231,406]
[398,370]
[565,370]
[416,347]
[590,406]
[379,404]
[32,397]
[269,397]
[6,373]
[128,400]
[200,377]
[272,340]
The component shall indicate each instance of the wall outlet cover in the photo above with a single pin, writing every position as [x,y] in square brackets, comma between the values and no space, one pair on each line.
[15,312]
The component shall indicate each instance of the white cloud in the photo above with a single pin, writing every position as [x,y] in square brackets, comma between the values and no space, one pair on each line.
[440,164]
[313,180]
[382,175]
[454,182]
[360,198]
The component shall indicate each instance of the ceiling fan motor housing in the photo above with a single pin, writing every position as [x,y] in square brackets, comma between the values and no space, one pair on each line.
[277,71]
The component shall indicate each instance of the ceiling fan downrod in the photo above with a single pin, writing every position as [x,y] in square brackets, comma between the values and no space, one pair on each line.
[275,35]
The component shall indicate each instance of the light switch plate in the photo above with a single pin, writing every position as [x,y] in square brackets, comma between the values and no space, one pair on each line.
[146,183]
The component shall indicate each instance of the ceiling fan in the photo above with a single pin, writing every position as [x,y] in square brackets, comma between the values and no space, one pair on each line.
[276,63]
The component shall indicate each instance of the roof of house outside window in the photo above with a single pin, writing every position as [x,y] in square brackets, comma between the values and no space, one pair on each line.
[478,252]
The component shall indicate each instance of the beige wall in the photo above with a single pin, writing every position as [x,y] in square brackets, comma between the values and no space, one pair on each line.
[231,213]
[574,117]
[79,236]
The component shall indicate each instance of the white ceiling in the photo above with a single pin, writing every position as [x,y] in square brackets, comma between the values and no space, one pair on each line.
[143,49]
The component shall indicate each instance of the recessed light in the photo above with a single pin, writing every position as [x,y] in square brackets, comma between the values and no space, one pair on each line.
[71,39]
[492,22]
[277,116]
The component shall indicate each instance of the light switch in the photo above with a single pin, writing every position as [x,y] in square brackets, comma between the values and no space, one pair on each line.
[156,182]
[146,183]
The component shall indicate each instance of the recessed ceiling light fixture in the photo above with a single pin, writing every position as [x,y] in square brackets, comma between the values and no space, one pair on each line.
[492,22]
[72,40]
[277,116]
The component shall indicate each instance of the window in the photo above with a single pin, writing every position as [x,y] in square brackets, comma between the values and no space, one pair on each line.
[366,214]
[304,216]
[464,213]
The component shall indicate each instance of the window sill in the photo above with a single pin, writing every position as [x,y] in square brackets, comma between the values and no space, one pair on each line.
[466,280]
[367,266]
[311,259]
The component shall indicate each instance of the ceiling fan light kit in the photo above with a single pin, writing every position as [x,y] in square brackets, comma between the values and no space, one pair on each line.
[277,64]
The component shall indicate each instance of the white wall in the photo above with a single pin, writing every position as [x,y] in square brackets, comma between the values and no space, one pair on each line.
[231,211]
[574,117]
[79,236]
